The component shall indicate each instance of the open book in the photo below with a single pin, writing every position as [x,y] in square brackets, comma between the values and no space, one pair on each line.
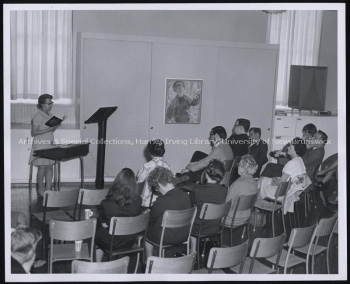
[53,121]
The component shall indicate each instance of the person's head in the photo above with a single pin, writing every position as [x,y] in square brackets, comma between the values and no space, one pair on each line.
[319,139]
[156,148]
[215,170]
[297,148]
[45,102]
[217,133]
[241,126]
[23,243]
[179,87]
[255,133]
[309,130]
[124,188]
[160,179]
[247,165]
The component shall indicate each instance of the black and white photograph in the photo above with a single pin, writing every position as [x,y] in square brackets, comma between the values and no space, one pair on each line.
[147,140]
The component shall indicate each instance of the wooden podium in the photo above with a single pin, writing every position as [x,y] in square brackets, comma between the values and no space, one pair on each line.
[100,117]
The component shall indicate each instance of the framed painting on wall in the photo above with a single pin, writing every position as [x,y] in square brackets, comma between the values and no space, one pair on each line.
[183,101]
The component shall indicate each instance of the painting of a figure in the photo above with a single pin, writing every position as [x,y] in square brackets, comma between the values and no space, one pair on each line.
[183,101]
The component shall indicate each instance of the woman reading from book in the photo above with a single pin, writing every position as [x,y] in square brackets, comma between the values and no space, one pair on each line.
[43,138]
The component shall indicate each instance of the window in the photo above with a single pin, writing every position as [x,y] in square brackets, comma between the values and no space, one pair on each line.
[41,55]
[298,33]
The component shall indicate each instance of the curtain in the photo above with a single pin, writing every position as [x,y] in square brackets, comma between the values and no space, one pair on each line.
[298,34]
[41,54]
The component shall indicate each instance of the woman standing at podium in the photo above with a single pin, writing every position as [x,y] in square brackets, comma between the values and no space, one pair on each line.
[43,139]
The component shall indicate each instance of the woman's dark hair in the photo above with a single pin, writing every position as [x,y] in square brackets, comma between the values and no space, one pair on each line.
[245,123]
[124,188]
[42,100]
[324,136]
[219,130]
[156,148]
[310,129]
[299,146]
[216,170]
[255,130]
[160,175]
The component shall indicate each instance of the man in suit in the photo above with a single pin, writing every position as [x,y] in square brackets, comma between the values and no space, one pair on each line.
[239,140]
[221,151]
[315,153]
[257,149]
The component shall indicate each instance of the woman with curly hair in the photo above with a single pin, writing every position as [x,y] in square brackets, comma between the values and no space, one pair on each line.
[122,200]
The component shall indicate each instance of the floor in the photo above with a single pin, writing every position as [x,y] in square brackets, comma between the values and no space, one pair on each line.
[318,210]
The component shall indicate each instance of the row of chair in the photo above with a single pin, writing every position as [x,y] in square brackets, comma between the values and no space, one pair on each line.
[274,250]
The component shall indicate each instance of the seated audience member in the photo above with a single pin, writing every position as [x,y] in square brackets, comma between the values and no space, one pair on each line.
[122,200]
[23,245]
[221,151]
[211,192]
[275,170]
[171,198]
[244,185]
[257,149]
[18,218]
[326,180]
[239,140]
[315,152]
[156,150]
[294,170]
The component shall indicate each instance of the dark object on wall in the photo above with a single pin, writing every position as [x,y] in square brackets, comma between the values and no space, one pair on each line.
[100,117]
[307,87]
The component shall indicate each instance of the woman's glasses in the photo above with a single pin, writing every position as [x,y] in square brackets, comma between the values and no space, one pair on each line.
[50,104]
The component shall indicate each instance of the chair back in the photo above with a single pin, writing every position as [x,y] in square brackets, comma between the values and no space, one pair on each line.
[325,226]
[228,166]
[89,197]
[214,211]
[282,189]
[128,225]
[177,219]
[119,266]
[227,257]
[60,198]
[233,173]
[72,231]
[267,247]
[243,202]
[177,265]
[92,196]
[300,237]
[180,218]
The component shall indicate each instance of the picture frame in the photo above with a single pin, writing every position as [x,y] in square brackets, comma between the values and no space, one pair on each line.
[183,101]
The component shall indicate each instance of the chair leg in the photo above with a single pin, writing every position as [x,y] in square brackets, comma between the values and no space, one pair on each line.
[273,223]
[243,232]
[255,213]
[297,214]
[137,263]
[284,225]
[204,247]
[198,253]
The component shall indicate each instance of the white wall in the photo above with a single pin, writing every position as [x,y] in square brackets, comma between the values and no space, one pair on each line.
[237,26]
